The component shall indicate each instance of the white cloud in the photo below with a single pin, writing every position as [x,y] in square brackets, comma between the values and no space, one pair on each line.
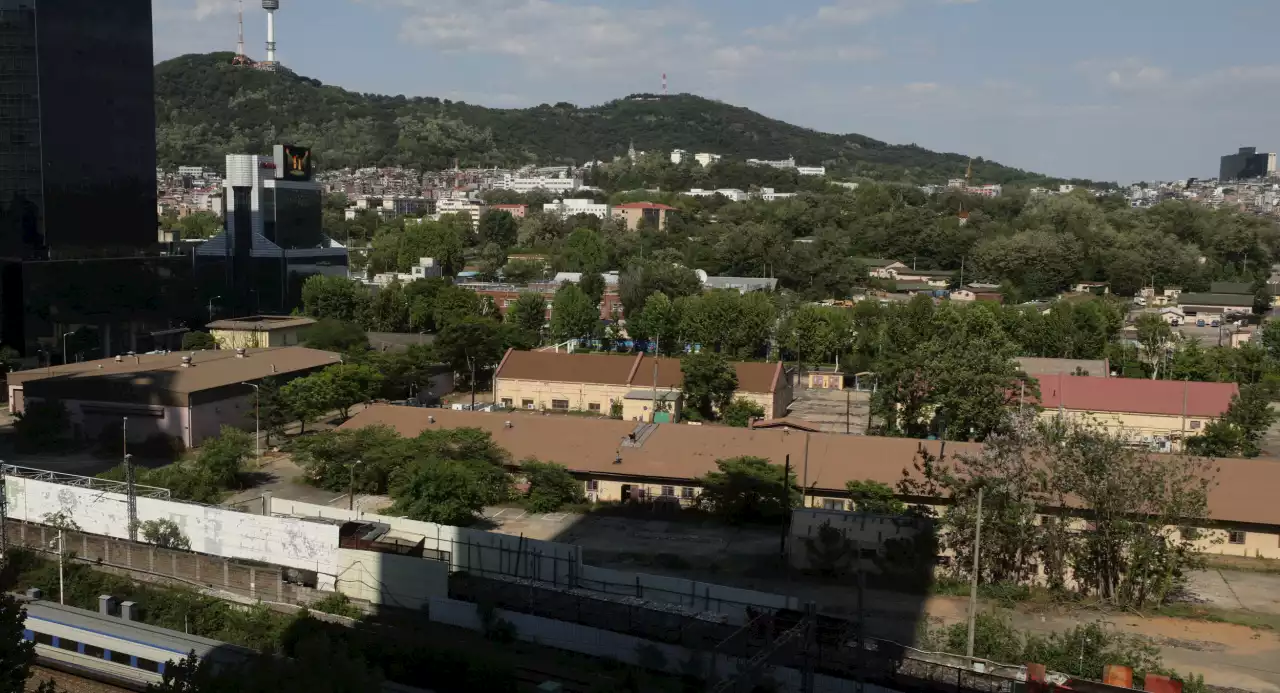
[854,12]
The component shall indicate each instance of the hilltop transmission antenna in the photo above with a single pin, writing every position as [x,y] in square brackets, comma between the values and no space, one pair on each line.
[241,58]
[664,84]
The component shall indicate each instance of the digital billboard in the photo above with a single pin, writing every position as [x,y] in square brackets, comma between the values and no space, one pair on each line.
[293,162]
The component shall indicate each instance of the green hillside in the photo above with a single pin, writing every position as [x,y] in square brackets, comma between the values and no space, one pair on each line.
[208,108]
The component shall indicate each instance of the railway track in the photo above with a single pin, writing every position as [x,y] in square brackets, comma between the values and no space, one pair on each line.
[70,683]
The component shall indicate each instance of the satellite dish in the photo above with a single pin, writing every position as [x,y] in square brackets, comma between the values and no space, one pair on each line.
[702,275]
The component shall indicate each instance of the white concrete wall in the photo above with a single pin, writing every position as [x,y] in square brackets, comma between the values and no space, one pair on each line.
[477,551]
[622,647]
[471,550]
[399,581]
[215,531]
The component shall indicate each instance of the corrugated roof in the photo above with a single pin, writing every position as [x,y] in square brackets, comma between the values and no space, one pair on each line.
[672,451]
[633,370]
[1136,395]
[1223,300]
[1245,492]
[209,369]
[262,323]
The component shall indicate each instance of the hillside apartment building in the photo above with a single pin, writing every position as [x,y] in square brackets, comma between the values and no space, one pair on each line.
[630,461]
[543,380]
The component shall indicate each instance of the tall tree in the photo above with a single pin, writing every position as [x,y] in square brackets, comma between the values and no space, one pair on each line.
[748,489]
[709,383]
[573,316]
[593,285]
[1154,334]
[325,296]
[529,312]
[499,228]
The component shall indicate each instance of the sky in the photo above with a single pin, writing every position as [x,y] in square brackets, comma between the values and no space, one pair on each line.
[1124,90]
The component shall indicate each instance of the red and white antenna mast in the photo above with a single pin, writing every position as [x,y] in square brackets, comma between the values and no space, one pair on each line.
[241,58]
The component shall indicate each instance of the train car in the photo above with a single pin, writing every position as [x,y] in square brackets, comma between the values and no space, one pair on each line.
[92,643]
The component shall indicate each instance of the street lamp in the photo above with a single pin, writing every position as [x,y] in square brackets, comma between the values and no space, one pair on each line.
[211,306]
[351,488]
[257,432]
[64,346]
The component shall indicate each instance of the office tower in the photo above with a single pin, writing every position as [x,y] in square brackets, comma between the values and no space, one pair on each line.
[77,169]
[78,222]
[1246,163]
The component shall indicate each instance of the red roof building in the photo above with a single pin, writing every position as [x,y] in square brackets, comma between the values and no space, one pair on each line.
[1161,413]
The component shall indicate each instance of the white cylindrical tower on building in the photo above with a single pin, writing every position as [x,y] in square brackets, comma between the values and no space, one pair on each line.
[271,6]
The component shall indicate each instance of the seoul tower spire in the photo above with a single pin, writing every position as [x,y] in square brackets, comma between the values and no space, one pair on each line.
[271,6]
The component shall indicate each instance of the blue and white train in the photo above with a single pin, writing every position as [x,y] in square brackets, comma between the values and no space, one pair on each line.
[111,648]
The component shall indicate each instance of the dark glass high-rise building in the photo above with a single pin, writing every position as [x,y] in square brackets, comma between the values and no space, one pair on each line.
[77,129]
[78,238]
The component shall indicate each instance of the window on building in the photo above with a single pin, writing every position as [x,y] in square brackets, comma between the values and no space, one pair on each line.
[93,651]
[669,491]
[506,402]
[1235,537]
[561,404]
[148,665]
[832,504]
[43,639]
[526,403]
[1195,425]
[68,644]
[594,406]
[593,484]
[121,658]
[686,492]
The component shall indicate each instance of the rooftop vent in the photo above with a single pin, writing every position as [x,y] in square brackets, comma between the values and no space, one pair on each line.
[119,358]
[507,425]
[431,419]
[240,352]
[186,361]
[274,369]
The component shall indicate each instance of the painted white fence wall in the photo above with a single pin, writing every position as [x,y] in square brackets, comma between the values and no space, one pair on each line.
[625,648]
[400,581]
[493,553]
[215,531]
[470,550]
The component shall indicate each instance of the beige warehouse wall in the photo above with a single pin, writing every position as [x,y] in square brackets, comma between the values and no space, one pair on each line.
[1136,425]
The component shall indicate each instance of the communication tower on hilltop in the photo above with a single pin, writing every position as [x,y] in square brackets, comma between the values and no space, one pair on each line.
[270,6]
[241,58]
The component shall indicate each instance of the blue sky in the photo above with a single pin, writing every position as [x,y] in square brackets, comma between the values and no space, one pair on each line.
[1109,89]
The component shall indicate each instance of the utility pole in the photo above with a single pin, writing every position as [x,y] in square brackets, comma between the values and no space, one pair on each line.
[131,490]
[211,307]
[973,587]
[64,346]
[471,364]
[786,506]
[653,415]
[351,488]
[847,400]
[257,422]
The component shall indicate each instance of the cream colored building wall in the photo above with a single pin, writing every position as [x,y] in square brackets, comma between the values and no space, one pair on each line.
[579,395]
[1137,425]
[253,339]
[611,490]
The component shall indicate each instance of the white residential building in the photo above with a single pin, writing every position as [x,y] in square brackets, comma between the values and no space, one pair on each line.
[198,171]
[734,194]
[706,158]
[1065,188]
[780,163]
[770,195]
[524,185]
[811,170]
[455,205]
[678,156]
[426,267]
[572,206]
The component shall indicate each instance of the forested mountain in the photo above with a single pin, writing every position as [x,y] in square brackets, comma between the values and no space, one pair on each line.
[207,108]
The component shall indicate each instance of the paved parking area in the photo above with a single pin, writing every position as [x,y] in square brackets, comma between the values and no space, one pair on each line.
[518,521]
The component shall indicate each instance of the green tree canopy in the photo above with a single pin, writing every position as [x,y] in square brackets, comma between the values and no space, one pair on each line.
[709,383]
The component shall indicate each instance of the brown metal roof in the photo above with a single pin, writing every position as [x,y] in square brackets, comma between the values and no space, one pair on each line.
[635,370]
[262,323]
[1136,395]
[1244,494]
[209,369]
